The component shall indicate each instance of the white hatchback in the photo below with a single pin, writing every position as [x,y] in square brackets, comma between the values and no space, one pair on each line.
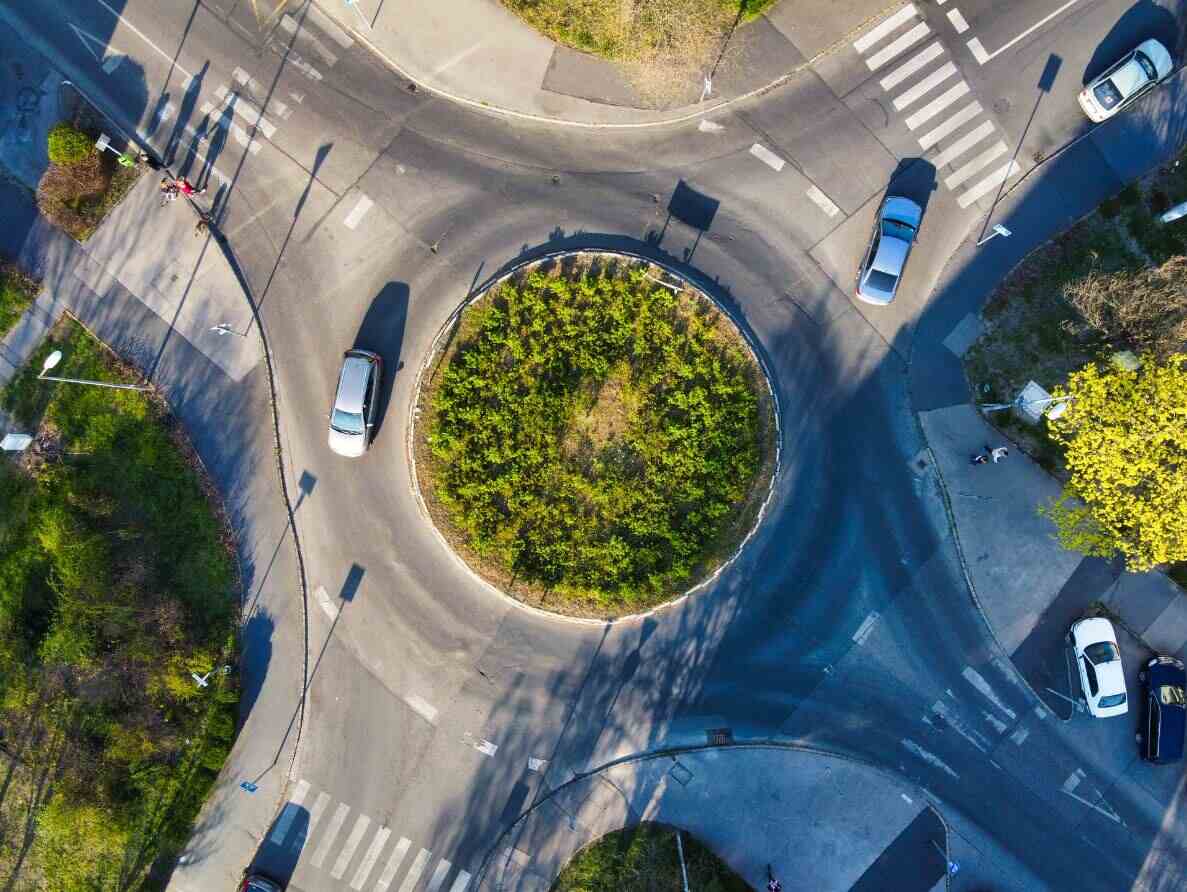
[1125,81]
[1099,660]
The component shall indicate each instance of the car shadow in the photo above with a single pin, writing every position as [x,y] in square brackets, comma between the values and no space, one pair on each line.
[277,856]
[1143,20]
[382,331]
[913,178]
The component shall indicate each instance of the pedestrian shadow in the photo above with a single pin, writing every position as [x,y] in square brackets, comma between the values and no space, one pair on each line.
[184,113]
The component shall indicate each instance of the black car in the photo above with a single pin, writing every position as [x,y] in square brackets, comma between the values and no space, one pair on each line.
[1164,718]
[257,882]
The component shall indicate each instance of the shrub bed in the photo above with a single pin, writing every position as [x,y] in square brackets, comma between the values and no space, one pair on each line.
[593,440]
[17,292]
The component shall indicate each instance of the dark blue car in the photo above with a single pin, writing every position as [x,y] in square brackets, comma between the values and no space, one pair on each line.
[1164,717]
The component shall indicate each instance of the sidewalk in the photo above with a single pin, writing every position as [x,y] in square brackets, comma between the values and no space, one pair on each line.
[478,52]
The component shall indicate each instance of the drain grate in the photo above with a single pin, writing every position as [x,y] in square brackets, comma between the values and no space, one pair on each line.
[720,736]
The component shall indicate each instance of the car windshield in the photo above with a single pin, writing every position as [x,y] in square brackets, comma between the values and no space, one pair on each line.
[897,229]
[1171,695]
[347,422]
[881,281]
[1102,652]
[1112,700]
[1147,65]
[1107,94]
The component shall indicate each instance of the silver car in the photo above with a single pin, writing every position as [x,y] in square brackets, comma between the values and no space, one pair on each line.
[352,414]
[895,231]
[1125,81]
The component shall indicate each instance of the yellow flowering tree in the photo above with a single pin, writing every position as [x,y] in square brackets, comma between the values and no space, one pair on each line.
[1125,437]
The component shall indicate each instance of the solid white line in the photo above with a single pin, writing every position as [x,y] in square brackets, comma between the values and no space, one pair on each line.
[888,52]
[977,165]
[973,677]
[369,859]
[168,57]
[962,117]
[352,843]
[962,145]
[912,65]
[823,202]
[360,209]
[315,813]
[439,876]
[937,105]
[1024,34]
[978,51]
[393,864]
[426,710]
[883,28]
[766,156]
[460,884]
[414,872]
[988,184]
[958,21]
[247,111]
[327,842]
[300,792]
[929,83]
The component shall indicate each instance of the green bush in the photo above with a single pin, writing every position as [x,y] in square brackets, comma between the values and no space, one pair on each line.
[68,145]
[595,435]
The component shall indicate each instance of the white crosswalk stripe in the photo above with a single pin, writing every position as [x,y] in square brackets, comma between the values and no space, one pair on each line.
[393,864]
[884,28]
[439,876]
[900,45]
[987,185]
[919,60]
[460,884]
[368,863]
[352,843]
[951,125]
[937,105]
[955,149]
[418,867]
[327,841]
[977,164]
[924,86]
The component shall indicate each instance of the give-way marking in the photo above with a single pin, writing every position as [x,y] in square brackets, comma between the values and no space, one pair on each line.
[1069,787]
[982,56]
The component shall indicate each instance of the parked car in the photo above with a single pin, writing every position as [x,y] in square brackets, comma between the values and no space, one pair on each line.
[256,882]
[895,230]
[1099,661]
[1137,73]
[1164,719]
[352,414]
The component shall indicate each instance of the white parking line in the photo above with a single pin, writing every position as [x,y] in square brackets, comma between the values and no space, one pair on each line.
[988,184]
[766,156]
[982,56]
[369,859]
[962,145]
[884,27]
[327,841]
[937,105]
[823,202]
[977,164]
[912,65]
[439,875]
[959,119]
[359,211]
[929,83]
[460,884]
[352,843]
[900,45]
[958,21]
[393,864]
[414,872]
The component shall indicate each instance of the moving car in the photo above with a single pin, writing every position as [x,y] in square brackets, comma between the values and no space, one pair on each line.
[352,414]
[895,230]
[1099,661]
[1160,734]
[1125,81]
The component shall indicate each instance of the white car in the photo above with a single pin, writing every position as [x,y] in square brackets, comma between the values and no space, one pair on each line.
[1099,661]
[895,231]
[352,414]
[1125,81]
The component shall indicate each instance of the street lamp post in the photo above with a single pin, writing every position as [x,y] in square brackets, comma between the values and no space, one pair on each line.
[54,358]
[1058,403]
[998,229]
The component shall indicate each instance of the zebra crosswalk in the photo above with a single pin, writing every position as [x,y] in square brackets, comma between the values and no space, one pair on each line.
[337,841]
[926,87]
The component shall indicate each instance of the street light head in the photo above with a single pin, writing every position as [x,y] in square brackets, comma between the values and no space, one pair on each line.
[51,361]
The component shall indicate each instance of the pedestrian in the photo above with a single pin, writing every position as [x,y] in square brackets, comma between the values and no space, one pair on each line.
[149,161]
[169,191]
[202,227]
[997,453]
[184,186]
[979,458]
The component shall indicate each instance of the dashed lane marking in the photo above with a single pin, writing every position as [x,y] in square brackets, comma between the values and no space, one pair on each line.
[867,625]
[359,211]
[958,21]
[908,68]
[369,859]
[393,864]
[823,202]
[930,758]
[766,156]
[900,45]
[884,27]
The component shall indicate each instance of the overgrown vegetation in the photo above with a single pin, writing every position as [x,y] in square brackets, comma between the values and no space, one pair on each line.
[644,858]
[81,184]
[666,47]
[116,582]
[17,291]
[596,436]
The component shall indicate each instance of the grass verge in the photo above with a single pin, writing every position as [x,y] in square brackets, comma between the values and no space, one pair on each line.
[644,858]
[17,293]
[116,583]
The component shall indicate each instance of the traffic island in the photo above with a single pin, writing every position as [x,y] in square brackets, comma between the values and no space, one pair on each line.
[593,435]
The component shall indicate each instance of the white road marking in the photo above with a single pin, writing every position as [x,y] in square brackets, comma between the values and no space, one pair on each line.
[323,600]
[327,841]
[414,872]
[908,40]
[300,792]
[997,723]
[958,120]
[111,63]
[707,126]
[243,107]
[460,884]
[958,21]
[360,209]
[168,57]
[369,859]
[912,65]
[425,709]
[439,875]
[988,184]
[929,83]
[537,764]
[907,799]
[328,25]
[1073,781]
[973,677]
[1019,736]
[962,145]
[315,813]
[912,747]
[226,123]
[977,164]
[937,105]
[823,202]
[459,57]
[98,49]
[766,156]
[1069,787]
[982,56]
[483,746]
[884,27]
[863,631]
[393,864]
[1041,711]
[289,24]
[352,843]
[940,708]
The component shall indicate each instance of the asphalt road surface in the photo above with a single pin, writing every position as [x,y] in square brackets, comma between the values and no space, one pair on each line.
[364,213]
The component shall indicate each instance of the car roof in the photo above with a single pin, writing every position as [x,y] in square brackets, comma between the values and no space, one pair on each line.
[902,209]
[1129,77]
[892,255]
[1163,63]
[1089,631]
[352,383]
[1111,677]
